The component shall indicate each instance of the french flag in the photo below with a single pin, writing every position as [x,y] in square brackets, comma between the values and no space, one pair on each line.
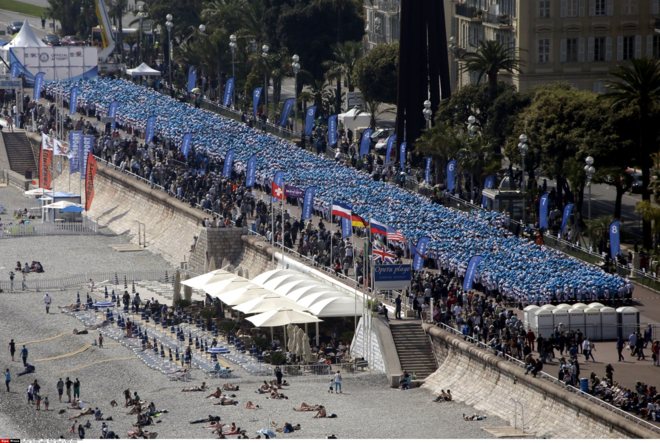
[342,210]
[377,227]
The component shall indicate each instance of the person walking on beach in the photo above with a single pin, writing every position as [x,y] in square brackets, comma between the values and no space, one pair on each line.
[68,384]
[12,348]
[338,383]
[11,280]
[7,378]
[30,393]
[76,389]
[24,355]
[46,403]
[100,340]
[47,302]
[60,389]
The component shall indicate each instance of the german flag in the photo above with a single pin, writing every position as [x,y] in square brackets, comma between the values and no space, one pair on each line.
[357,221]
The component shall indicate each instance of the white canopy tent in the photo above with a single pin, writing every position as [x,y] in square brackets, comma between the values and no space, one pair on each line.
[26,38]
[37,192]
[216,289]
[265,276]
[336,307]
[62,204]
[241,295]
[282,317]
[266,303]
[210,277]
[143,70]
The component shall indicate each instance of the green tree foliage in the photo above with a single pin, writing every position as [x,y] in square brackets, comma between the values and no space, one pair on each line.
[376,73]
[489,59]
[311,29]
[637,85]
[67,12]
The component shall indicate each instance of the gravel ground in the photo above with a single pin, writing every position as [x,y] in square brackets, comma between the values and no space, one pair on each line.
[366,409]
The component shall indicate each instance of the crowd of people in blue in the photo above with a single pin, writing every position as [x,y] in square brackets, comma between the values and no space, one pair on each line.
[513,266]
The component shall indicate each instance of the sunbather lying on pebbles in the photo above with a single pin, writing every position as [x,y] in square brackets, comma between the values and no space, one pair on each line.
[216,394]
[226,402]
[230,387]
[474,417]
[250,405]
[203,387]
[305,407]
[86,411]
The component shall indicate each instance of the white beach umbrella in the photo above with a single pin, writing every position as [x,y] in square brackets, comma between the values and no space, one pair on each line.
[210,277]
[266,303]
[282,317]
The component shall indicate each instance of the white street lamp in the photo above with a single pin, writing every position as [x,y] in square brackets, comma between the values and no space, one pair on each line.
[427,113]
[169,24]
[295,65]
[232,46]
[589,170]
[524,148]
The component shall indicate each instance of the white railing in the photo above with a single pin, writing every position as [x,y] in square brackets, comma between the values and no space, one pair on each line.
[86,227]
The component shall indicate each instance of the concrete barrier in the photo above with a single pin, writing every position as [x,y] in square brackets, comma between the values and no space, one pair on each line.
[489,383]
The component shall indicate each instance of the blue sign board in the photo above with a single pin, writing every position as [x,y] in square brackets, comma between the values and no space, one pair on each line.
[392,276]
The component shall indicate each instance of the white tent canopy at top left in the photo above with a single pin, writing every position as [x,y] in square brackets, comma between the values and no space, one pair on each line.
[210,277]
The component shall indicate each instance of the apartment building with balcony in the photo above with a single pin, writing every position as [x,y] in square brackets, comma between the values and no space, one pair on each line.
[573,41]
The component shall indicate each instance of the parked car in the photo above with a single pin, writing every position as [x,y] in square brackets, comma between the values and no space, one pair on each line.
[379,139]
[51,40]
[14,27]
[637,186]
[71,40]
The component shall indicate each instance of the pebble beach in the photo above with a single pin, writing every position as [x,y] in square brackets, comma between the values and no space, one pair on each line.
[367,408]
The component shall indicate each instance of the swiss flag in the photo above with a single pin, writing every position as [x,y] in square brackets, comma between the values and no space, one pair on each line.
[277,191]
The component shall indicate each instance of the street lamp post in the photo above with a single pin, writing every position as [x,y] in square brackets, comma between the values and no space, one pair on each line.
[524,148]
[589,170]
[232,46]
[169,24]
[427,113]
[141,15]
[264,56]
[295,65]
[472,128]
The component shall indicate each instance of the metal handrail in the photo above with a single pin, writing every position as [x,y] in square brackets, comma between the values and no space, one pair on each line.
[556,381]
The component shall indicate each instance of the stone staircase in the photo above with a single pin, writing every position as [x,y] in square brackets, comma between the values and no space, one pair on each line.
[19,153]
[414,348]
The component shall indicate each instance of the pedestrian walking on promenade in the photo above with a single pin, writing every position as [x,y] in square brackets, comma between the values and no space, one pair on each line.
[397,311]
[7,378]
[12,348]
[620,343]
[47,302]
[24,355]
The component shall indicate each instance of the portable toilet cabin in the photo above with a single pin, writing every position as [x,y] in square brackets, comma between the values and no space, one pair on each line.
[596,305]
[576,318]
[593,325]
[580,305]
[560,319]
[544,321]
[528,317]
[628,320]
[564,306]
[609,323]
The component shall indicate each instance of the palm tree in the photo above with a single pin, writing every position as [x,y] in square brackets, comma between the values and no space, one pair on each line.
[489,59]
[116,11]
[637,86]
[345,55]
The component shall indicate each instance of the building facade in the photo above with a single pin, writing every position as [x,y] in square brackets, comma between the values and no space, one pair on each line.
[573,41]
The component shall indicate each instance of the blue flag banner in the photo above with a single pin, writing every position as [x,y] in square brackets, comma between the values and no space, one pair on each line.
[543,211]
[150,129]
[229,164]
[75,145]
[38,84]
[427,171]
[489,183]
[391,140]
[228,97]
[615,238]
[186,144]
[310,115]
[471,271]
[286,110]
[15,69]
[365,142]
[192,78]
[73,99]
[308,203]
[112,113]
[420,252]
[332,130]
[251,173]
[346,228]
[451,175]
[256,96]
[402,155]
[86,147]
[568,209]
[279,181]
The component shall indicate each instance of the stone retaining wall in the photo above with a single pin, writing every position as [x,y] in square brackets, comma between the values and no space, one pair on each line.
[491,384]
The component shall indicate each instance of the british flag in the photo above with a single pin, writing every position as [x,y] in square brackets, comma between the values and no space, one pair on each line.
[382,255]
[395,236]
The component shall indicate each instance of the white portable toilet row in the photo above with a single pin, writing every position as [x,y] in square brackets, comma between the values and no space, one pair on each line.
[596,321]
